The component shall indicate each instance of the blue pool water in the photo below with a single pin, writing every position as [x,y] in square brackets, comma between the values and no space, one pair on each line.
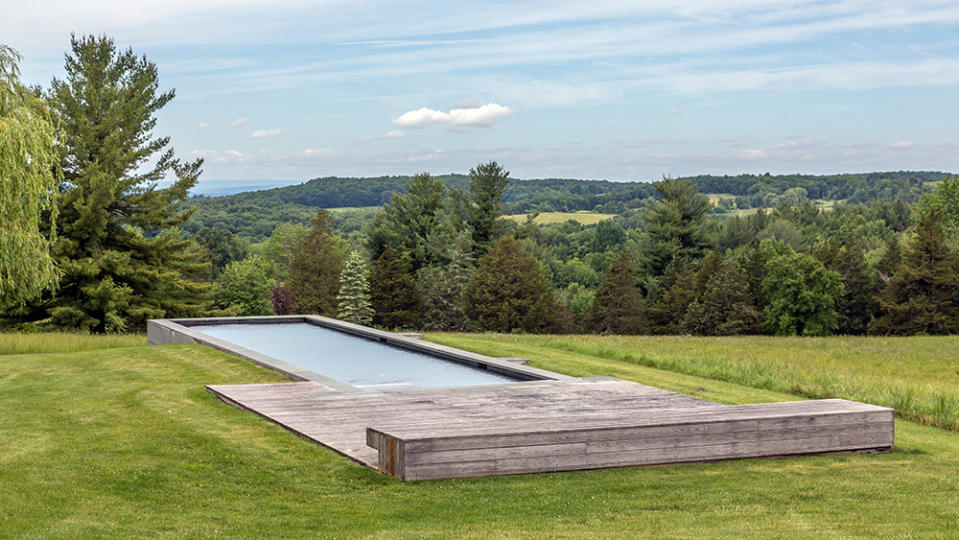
[357,361]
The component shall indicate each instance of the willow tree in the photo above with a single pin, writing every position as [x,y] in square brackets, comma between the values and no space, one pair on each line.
[119,243]
[27,188]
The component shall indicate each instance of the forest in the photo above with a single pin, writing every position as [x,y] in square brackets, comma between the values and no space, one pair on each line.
[91,243]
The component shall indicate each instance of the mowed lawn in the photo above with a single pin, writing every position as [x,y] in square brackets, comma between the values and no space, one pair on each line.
[126,442]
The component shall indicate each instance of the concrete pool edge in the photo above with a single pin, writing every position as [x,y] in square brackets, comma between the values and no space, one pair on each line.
[180,331]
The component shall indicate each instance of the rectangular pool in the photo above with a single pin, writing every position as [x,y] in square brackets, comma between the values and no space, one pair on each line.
[359,362]
[342,356]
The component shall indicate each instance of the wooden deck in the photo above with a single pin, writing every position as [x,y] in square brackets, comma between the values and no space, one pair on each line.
[553,425]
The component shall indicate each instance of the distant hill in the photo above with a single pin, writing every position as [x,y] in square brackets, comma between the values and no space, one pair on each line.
[255,213]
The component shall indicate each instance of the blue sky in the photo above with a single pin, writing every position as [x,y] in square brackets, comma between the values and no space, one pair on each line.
[601,89]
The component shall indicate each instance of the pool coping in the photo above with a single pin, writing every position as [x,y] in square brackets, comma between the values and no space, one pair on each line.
[179,331]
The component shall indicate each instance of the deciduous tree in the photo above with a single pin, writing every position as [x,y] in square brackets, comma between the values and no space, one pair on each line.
[28,188]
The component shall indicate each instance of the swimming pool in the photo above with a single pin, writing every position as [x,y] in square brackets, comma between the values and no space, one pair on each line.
[343,356]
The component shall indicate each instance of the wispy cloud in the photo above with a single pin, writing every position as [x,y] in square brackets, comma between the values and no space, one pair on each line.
[266,133]
[202,125]
[237,123]
[902,145]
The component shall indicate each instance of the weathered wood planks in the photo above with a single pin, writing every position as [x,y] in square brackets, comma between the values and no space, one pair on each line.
[553,425]
[536,444]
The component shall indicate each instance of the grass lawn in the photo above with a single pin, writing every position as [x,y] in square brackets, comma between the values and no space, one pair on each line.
[125,442]
[582,217]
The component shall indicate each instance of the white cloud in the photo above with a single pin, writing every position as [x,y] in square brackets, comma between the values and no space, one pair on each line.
[266,134]
[395,134]
[202,125]
[902,145]
[751,154]
[672,111]
[482,116]
[237,123]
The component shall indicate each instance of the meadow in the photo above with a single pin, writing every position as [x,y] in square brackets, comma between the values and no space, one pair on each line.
[544,218]
[125,441]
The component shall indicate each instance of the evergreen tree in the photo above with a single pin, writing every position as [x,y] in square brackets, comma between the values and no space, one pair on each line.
[441,293]
[244,287]
[28,188]
[858,306]
[675,225]
[488,183]
[118,243]
[725,308]
[618,305]
[415,224]
[316,269]
[221,247]
[923,295]
[802,293]
[393,292]
[508,291]
[353,299]
[666,314]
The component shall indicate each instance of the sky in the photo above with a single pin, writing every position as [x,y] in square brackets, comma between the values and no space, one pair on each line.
[617,90]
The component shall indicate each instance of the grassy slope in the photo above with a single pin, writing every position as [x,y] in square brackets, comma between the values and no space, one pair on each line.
[126,442]
[12,343]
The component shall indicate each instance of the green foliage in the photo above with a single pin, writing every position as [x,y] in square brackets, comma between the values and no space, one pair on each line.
[441,293]
[945,198]
[414,224]
[666,314]
[675,225]
[316,268]
[221,247]
[118,243]
[725,307]
[857,306]
[353,299]
[244,287]
[508,292]
[28,188]
[923,295]
[618,306]
[802,293]
[488,183]
[393,292]
[281,248]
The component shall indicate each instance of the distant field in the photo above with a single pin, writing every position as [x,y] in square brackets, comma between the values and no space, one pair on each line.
[353,209]
[917,376]
[544,218]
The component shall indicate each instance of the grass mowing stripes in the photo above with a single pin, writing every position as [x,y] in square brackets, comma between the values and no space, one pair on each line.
[125,442]
[917,376]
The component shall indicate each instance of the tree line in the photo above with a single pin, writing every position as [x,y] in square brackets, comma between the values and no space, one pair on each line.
[89,242]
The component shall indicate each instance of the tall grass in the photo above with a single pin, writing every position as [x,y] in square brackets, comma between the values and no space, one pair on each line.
[917,376]
[57,342]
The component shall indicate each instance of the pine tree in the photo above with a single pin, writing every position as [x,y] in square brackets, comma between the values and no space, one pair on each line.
[118,244]
[353,299]
[28,188]
[441,293]
[415,224]
[675,225]
[923,295]
[393,292]
[507,291]
[316,269]
[858,306]
[618,306]
[488,183]
[725,308]
[665,316]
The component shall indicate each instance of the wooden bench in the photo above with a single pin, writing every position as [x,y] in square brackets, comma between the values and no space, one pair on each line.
[413,451]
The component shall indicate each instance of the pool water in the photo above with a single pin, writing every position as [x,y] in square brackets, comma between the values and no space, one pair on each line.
[357,361]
